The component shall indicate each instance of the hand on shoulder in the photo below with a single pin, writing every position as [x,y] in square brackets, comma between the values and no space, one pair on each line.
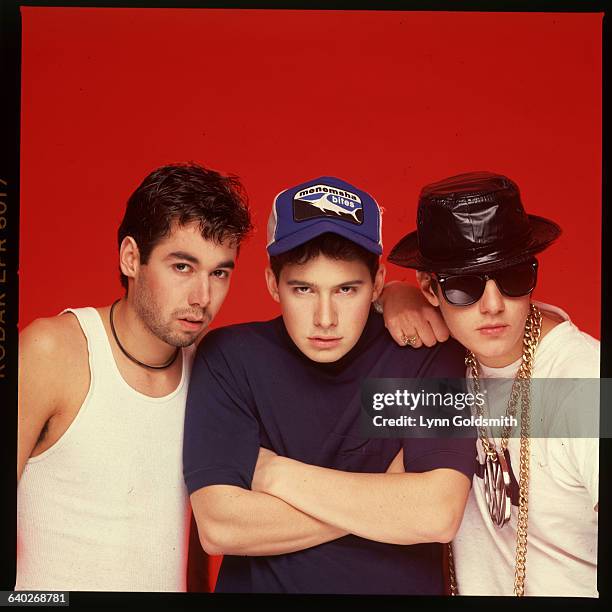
[410,318]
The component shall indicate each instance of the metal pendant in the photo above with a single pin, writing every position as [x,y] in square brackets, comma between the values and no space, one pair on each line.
[497,488]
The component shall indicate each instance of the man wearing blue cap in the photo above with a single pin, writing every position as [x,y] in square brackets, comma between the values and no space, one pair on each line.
[281,481]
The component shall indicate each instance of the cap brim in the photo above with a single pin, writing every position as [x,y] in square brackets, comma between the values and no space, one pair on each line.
[316,229]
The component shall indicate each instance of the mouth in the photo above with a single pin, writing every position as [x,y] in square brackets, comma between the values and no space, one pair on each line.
[493,330]
[325,342]
[192,324]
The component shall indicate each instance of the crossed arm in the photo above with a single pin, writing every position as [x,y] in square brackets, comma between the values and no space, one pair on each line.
[290,505]
[397,508]
[235,521]
[294,506]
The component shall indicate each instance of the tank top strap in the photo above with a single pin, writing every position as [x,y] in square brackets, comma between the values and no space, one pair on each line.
[101,360]
[102,365]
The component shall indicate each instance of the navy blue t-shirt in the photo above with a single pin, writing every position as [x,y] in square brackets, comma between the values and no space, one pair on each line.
[251,387]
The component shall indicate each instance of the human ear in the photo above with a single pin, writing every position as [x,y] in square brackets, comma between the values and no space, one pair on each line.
[379,282]
[424,281]
[272,284]
[129,257]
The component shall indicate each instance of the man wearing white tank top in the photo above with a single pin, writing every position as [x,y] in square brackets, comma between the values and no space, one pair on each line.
[102,504]
[474,255]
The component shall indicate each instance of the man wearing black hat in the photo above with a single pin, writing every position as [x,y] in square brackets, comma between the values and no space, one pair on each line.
[314,510]
[532,513]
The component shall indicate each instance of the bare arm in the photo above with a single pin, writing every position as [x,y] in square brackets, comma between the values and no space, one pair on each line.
[407,313]
[40,388]
[406,508]
[236,521]
[53,382]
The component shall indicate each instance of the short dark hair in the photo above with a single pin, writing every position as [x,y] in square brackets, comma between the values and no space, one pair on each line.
[184,193]
[329,244]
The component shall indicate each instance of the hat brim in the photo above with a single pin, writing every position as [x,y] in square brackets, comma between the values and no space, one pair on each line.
[406,252]
[321,227]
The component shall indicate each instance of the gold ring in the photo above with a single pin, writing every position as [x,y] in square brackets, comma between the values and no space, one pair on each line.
[409,340]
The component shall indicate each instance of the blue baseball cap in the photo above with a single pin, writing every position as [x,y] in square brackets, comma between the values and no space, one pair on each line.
[325,204]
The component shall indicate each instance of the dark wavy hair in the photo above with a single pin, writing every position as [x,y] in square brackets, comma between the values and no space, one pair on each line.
[329,244]
[184,193]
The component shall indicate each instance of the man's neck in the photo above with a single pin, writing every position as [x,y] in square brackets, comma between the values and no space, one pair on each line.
[136,338]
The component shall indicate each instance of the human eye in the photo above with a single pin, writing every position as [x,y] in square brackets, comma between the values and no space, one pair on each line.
[347,290]
[302,290]
[181,267]
[221,274]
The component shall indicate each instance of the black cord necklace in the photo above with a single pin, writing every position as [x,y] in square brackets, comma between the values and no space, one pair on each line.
[144,365]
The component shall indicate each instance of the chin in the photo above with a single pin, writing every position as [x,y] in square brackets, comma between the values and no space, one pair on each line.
[180,340]
[324,356]
[497,357]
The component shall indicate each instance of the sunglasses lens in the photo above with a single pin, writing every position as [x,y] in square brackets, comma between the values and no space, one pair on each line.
[518,280]
[463,290]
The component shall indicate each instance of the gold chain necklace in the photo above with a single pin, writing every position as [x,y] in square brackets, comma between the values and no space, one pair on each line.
[496,474]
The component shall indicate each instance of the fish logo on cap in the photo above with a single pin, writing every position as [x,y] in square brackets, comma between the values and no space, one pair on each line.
[327,201]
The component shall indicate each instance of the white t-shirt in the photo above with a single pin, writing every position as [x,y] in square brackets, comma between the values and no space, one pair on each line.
[563,488]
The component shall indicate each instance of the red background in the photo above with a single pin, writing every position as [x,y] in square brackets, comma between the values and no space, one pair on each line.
[386,100]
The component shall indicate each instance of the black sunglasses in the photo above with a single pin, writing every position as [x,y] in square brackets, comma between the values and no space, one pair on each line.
[466,289]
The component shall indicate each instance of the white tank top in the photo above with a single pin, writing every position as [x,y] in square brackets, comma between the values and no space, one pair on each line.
[105,508]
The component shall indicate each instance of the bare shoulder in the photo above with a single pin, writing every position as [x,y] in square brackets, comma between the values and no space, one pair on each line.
[53,358]
[53,341]
[53,381]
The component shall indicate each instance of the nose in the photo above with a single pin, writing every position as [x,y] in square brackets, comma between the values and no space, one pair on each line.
[200,292]
[325,313]
[492,301]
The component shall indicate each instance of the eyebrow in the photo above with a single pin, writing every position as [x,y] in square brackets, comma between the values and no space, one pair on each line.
[299,283]
[229,263]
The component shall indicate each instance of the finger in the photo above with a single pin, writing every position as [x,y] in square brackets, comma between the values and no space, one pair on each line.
[439,327]
[397,333]
[415,342]
[425,333]
[412,339]
[406,327]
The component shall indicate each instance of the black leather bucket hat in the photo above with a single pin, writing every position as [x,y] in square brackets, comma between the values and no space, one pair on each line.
[472,222]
